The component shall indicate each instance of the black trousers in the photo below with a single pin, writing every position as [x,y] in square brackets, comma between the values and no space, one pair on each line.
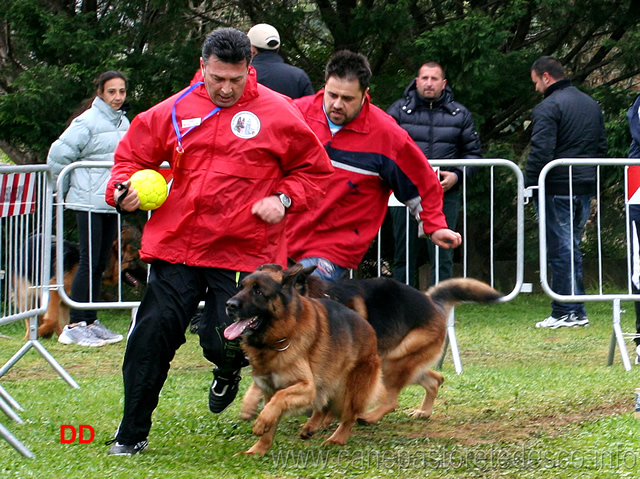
[170,301]
[450,208]
[101,229]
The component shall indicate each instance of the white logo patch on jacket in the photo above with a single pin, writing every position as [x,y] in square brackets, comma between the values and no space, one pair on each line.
[245,124]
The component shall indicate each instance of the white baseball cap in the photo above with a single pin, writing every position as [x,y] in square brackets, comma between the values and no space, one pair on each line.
[263,35]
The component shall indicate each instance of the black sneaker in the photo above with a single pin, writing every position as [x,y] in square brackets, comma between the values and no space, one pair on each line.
[223,390]
[118,449]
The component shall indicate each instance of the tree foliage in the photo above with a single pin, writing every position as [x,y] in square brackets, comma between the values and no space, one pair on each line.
[51,50]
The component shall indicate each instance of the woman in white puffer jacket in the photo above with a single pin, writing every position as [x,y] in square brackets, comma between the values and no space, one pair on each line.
[92,136]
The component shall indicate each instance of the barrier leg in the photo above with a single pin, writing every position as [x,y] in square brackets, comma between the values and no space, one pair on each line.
[7,397]
[444,352]
[617,331]
[17,445]
[5,408]
[45,354]
[612,348]
[451,340]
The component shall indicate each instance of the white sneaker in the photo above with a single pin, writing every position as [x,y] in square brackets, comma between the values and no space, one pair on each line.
[567,321]
[81,335]
[102,332]
[638,354]
[547,323]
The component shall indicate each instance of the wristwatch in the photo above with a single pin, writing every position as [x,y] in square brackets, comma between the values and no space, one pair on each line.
[284,199]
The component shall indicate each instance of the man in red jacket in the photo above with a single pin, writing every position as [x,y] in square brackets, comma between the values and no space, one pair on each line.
[242,159]
[372,156]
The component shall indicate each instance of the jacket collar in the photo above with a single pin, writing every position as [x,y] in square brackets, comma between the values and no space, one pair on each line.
[268,56]
[559,85]
[413,100]
[114,116]
[360,124]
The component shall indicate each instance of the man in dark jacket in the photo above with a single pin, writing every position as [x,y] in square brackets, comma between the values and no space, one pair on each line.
[633,115]
[272,71]
[566,124]
[443,129]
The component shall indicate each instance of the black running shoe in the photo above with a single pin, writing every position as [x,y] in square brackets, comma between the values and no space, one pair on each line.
[223,390]
[118,449]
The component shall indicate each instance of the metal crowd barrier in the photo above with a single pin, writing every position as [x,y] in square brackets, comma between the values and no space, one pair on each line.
[517,284]
[25,241]
[60,206]
[618,336]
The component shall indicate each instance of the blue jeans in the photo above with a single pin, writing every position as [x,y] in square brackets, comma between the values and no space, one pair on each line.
[559,230]
[325,269]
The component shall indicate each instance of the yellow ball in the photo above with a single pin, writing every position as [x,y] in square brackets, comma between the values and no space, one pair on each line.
[151,187]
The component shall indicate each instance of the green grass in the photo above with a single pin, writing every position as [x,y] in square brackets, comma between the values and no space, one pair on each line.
[529,403]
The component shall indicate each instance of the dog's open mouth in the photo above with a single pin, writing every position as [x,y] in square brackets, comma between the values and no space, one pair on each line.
[240,327]
[130,279]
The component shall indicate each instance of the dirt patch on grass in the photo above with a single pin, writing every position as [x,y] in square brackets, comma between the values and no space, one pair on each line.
[513,430]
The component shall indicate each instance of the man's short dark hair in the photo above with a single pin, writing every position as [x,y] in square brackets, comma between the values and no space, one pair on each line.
[432,64]
[549,65]
[348,65]
[229,45]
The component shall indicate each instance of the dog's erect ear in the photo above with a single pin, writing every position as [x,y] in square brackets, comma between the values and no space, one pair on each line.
[296,277]
[270,266]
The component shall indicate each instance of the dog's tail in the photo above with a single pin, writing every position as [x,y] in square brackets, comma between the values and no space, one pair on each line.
[451,292]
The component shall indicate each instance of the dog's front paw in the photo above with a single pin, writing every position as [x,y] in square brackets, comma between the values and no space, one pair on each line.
[332,440]
[420,414]
[260,448]
[263,424]
[307,431]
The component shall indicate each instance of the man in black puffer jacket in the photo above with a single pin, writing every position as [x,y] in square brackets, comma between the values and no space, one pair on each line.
[566,124]
[443,129]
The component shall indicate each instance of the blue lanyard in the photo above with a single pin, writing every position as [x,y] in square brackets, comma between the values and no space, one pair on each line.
[179,148]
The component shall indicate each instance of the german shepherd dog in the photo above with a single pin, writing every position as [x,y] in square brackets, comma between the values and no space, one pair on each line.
[128,270]
[410,326]
[305,353]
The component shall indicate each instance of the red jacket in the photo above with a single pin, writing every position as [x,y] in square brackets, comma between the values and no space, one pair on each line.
[372,156]
[239,155]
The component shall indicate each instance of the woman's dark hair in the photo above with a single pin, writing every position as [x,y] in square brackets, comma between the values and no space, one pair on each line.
[110,75]
[99,82]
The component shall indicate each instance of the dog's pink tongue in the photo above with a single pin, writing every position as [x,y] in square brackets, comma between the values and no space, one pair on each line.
[236,329]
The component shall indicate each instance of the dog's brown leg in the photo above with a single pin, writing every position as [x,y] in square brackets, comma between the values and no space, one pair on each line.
[341,434]
[49,322]
[363,387]
[315,422]
[250,402]
[431,382]
[294,397]
[389,403]
[264,443]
